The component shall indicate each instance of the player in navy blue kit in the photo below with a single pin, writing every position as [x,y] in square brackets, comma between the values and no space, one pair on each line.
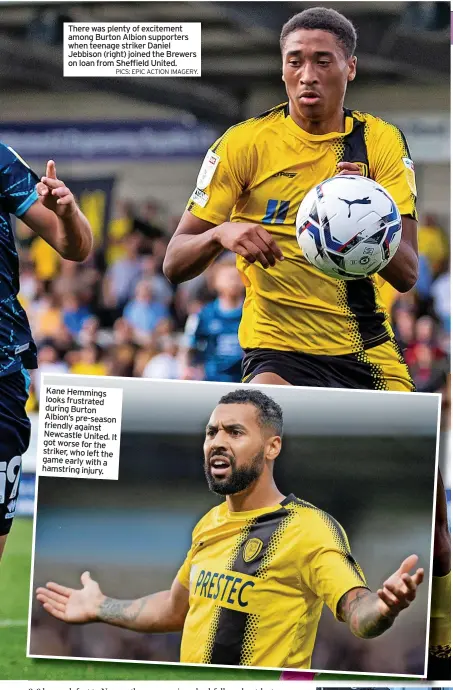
[48,207]
[212,334]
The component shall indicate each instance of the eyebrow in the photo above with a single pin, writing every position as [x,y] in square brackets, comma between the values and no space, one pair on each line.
[227,427]
[317,53]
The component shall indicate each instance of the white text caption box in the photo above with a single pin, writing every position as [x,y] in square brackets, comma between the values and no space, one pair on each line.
[131,49]
[79,432]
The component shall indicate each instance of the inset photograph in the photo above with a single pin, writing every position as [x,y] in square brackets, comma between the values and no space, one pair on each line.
[259,526]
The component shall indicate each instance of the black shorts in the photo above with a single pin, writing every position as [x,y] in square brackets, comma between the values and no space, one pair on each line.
[14,440]
[379,368]
[439,667]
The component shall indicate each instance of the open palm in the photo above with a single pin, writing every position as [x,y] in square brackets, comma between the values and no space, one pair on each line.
[72,605]
[400,589]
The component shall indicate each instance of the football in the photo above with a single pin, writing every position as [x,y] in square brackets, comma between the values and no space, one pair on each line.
[349,227]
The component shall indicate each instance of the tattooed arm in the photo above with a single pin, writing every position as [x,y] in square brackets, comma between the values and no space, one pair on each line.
[160,612]
[368,614]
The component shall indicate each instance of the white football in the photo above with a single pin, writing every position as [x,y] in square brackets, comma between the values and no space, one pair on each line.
[349,227]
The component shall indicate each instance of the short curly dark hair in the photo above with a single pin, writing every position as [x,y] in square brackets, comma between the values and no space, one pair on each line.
[269,412]
[324,19]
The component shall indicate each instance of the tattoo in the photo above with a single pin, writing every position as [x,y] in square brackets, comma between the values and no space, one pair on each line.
[359,609]
[120,611]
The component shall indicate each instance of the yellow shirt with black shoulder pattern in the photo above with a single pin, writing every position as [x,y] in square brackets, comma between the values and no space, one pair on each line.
[258,581]
[259,172]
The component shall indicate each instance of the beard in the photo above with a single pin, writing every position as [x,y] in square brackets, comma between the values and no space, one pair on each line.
[238,479]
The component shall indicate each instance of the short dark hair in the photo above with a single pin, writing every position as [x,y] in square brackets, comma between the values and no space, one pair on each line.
[324,19]
[269,412]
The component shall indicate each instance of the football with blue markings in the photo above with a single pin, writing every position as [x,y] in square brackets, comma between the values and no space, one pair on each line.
[348,227]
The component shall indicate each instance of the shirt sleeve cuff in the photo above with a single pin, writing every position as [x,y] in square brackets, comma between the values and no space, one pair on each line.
[25,205]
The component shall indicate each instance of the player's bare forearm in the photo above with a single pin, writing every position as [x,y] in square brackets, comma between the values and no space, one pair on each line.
[369,615]
[188,255]
[360,609]
[161,612]
[196,243]
[402,271]
[153,613]
[75,239]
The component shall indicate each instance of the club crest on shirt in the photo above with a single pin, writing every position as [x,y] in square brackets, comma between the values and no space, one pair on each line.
[252,548]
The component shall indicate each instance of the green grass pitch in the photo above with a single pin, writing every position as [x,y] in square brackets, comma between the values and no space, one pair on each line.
[14,593]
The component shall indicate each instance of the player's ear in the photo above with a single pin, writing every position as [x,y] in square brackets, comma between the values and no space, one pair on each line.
[274,446]
[352,68]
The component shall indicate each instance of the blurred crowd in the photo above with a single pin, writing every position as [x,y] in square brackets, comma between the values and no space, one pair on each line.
[117,315]
[336,650]
[421,318]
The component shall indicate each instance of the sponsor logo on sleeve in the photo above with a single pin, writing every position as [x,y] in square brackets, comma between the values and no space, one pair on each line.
[207,170]
[199,197]
[410,175]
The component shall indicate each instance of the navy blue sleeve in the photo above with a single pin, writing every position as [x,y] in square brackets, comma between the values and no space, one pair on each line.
[17,182]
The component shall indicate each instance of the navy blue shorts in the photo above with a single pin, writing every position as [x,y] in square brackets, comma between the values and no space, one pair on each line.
[14,440]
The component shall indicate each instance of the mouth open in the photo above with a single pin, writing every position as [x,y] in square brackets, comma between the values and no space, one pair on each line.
[219,465]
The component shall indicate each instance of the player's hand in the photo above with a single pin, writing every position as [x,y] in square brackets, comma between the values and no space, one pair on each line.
[54,194]
[250,241]
[349,169]
[72,605]
[399,589]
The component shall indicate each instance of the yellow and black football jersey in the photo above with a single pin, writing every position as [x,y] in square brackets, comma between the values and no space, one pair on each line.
[258,172]
[258,581]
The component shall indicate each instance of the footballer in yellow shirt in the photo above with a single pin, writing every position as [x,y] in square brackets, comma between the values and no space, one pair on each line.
[300,326]
[261,565]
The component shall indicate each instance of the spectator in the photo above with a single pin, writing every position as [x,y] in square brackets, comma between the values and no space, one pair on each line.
[45,259]
[120,227]
[428,374]
[425,333]
[90,362]
[441,295]
[144,313]
[74,314]
[212,334]
[433,243]
[47,318]
[28,284]
[160,286]
[404,326]
[121,278]
[165,364]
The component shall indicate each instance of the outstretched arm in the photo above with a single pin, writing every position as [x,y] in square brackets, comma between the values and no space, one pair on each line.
[370,614]
[160,612]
